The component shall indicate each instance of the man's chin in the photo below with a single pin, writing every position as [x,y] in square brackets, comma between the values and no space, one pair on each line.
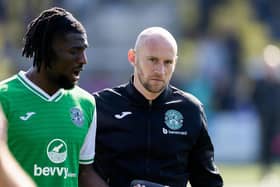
[68,86]
[156,89]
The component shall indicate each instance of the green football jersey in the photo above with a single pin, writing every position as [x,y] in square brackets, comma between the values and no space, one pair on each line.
[49,135]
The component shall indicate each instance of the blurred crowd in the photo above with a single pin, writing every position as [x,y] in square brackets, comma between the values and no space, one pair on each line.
[228,50]
[234,64]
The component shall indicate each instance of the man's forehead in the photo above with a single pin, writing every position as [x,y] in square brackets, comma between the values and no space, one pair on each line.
[155,40]
[156,43]
[73,37]
[76,36]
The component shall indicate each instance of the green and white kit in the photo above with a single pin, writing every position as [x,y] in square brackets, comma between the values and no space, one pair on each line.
[49,135]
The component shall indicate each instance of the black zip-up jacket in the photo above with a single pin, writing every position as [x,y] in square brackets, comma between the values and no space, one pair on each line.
[164,140]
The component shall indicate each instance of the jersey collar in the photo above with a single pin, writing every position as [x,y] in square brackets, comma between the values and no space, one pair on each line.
[37,90]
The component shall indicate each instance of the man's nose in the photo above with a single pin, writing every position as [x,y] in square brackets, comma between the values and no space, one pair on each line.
[159,68]
[82,58]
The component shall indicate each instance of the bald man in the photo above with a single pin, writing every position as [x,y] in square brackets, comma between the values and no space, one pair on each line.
[149,130]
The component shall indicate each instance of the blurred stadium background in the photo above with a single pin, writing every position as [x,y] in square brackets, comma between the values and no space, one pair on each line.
[228,57]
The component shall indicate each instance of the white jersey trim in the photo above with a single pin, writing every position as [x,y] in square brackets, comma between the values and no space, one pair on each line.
[37,90]
[87,152]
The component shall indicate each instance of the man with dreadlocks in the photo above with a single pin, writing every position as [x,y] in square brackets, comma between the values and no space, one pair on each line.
[51,122]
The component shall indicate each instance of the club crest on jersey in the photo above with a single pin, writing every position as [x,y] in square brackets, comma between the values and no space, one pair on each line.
[57,151]
[173,119]
[77,116]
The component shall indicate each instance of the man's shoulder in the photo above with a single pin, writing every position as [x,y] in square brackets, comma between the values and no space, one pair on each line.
[81,93]
[8,80]
[11,90]
[116,91]
[185,96]
[9,84]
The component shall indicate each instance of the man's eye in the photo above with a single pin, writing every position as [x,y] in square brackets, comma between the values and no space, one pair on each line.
[153,59]
[73,52]
[169,62]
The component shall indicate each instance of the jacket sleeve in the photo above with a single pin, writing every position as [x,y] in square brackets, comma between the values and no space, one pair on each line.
[203,171]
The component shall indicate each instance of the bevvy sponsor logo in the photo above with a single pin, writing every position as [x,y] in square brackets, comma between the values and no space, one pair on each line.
[57,153]
[50,171]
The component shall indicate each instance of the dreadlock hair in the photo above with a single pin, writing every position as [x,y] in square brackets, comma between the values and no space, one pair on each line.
[41,31]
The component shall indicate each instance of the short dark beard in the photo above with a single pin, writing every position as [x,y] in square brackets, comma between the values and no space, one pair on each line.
[64,83]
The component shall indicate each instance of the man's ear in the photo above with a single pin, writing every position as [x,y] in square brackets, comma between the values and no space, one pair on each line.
[131,56]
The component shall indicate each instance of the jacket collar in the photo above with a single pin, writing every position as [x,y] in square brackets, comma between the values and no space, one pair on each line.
[138,99]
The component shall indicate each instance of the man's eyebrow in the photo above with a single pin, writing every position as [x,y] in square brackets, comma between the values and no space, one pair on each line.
[80,46]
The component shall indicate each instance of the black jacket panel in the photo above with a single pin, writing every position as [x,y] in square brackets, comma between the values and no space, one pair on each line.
[163,141]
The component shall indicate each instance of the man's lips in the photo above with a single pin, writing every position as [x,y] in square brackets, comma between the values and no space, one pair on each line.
[157,79]
[76,73]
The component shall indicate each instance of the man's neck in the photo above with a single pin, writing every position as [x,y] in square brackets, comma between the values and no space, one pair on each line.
[40,79]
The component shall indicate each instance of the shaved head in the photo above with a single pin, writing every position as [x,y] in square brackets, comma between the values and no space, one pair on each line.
[154,33]
[154,59]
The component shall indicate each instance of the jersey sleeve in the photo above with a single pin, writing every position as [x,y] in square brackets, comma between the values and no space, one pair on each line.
[88,149]
[3,100]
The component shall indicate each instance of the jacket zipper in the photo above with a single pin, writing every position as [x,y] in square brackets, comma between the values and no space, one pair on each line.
[148,168]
